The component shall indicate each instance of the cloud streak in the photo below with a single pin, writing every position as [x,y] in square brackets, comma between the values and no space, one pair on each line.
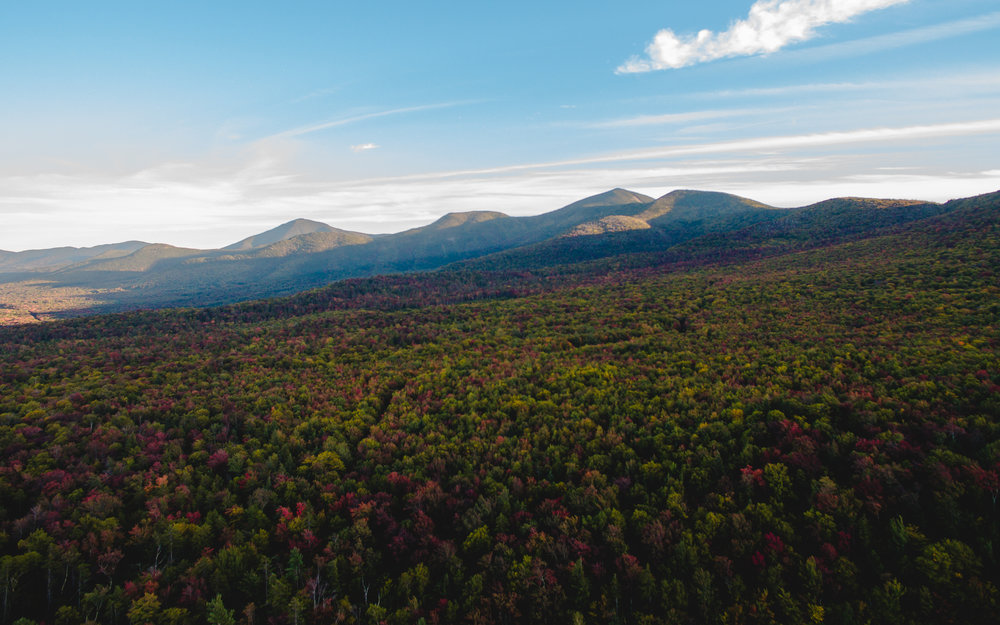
[344,121]
[676,118]
[751,145]
[195,205]
[770,26]
[890,41]
[975,82]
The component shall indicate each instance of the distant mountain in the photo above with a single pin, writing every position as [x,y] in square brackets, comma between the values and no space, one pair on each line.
[681,226]
[638,224]
[687,205]
[698,211]
[163,263]
[453,220]
[614,197]
[59,257]
[143,259]
[220,276]
[838,219]
[287,230]
[692,226]
[593,208]
[308,243]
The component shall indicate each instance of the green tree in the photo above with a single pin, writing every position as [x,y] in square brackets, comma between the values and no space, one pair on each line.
[145,609]
[217,614]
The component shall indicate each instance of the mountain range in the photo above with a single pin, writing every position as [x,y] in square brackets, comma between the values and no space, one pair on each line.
[303,254]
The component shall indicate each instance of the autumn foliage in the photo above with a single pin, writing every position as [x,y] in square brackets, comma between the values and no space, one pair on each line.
[808,435]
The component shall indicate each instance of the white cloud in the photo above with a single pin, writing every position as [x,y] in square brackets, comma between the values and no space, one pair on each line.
[967,83]
[755,145]
[364,147]
[770,26]
[929,187]
[947,30]
[333,123]
[677,118]
[210,204]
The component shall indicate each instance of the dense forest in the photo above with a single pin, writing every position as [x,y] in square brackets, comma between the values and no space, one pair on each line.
[760,427]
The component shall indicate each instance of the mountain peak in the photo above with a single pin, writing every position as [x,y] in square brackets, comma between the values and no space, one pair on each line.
[614,197]
[689,204]
[286,230]
[452,220]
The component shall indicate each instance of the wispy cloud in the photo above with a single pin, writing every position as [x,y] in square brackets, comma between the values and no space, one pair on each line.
[988,81]
[318,93]
[364,147]
[785,90]
[770,26]
[931,187]
[209,204]
[870,135]
[890,41]
[344,121]
[676,118]
[751,145]
[77,210]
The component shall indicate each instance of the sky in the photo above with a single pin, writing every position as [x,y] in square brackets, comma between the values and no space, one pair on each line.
[199,123]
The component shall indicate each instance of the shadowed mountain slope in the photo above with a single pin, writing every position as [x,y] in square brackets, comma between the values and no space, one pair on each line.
[214,277]
[688,205]
[727,226]
[453,220]
[58,257]
[309,243]
[141,260]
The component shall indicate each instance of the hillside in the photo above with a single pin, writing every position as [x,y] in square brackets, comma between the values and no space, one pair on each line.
[453,220]
[681,226]
[309,243]
[688,205]
[160,276]
[811,432]
[59,257]
[141,260]
[605,225]
[285,231]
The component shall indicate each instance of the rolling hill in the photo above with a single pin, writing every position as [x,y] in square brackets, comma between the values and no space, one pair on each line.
[59,257]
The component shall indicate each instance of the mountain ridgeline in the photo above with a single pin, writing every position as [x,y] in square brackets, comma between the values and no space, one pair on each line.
[303,254]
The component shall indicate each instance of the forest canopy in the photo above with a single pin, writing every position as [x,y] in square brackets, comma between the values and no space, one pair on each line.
[807,435]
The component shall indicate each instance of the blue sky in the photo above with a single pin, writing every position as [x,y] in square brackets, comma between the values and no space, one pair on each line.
[197,124]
